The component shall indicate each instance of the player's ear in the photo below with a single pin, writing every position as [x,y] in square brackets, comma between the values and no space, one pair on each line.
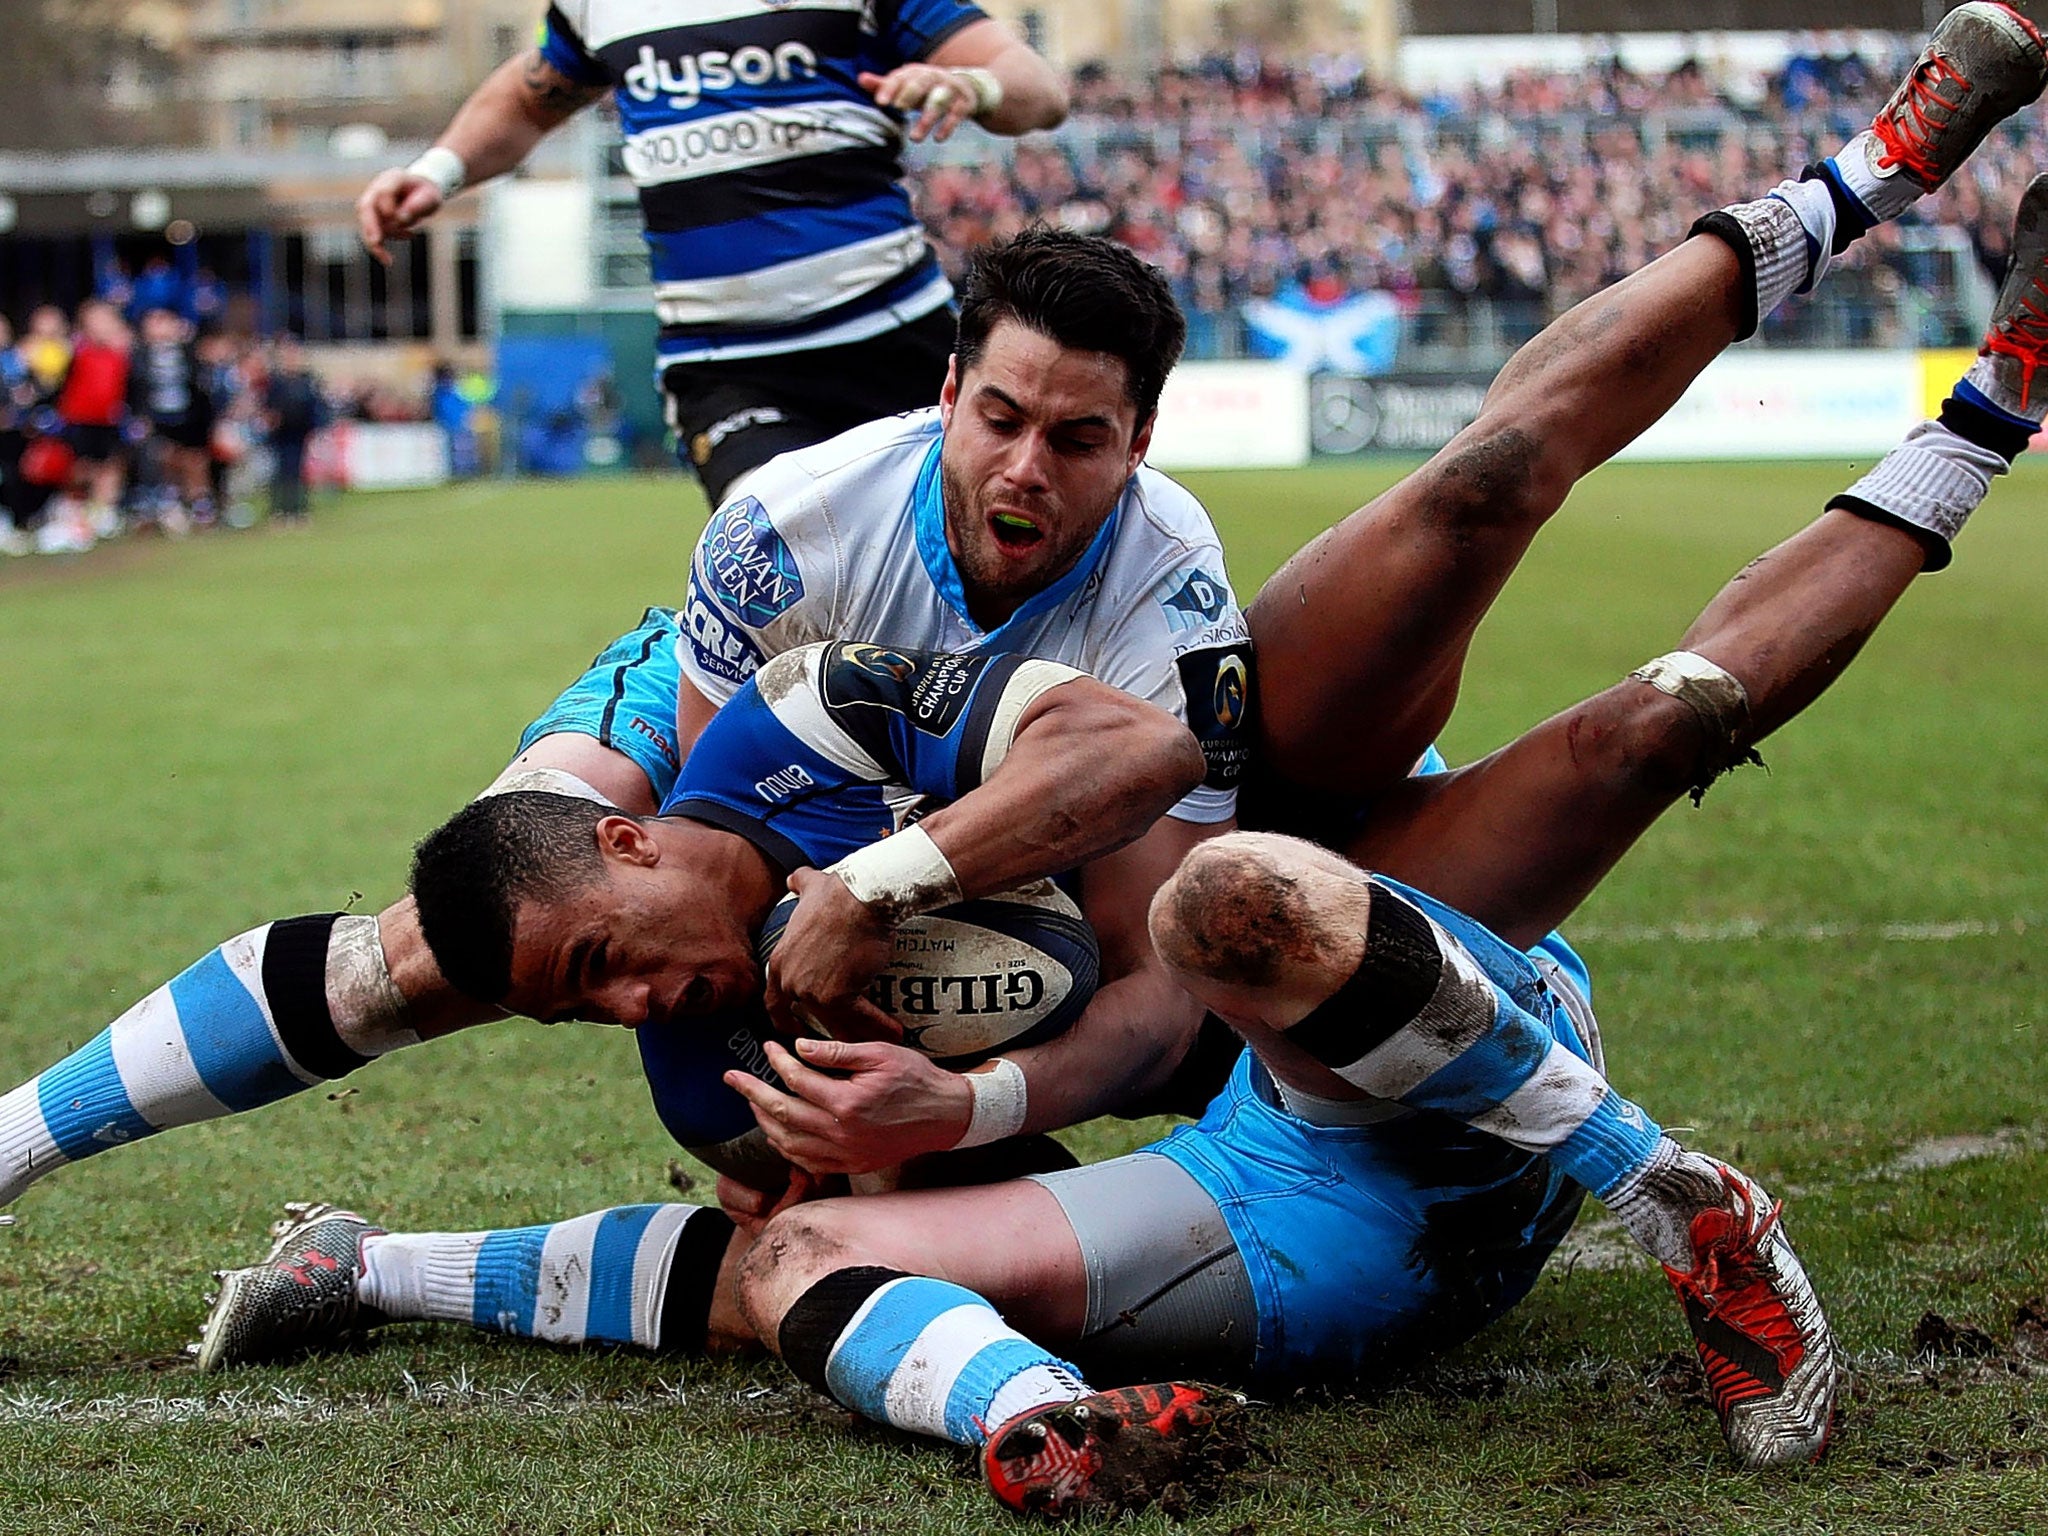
[949,392]
[1141,440]
[627,840]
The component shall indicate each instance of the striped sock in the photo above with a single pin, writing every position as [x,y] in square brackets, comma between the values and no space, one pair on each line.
[1421,1022]
[922,1355]
[247,1025]
[633,1274]
[1784,241]
[1934,480]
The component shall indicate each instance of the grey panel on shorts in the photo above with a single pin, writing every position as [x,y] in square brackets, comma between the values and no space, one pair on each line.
[1168,1294]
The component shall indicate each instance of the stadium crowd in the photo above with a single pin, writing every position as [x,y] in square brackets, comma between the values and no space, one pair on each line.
[107,426]
[1246,178]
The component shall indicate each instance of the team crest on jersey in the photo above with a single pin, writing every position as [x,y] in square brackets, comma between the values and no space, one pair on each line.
[748,565]
[1196,598]
[1217,683]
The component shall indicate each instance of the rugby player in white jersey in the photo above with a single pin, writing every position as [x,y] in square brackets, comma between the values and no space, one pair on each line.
[1016,516]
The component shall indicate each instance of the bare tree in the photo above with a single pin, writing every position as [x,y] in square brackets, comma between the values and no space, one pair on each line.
[78,73]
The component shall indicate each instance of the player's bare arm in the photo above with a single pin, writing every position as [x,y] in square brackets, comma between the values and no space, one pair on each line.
[984,73]
[518,104]
[1090,768]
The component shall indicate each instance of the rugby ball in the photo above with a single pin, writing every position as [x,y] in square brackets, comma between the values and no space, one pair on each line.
[982,976]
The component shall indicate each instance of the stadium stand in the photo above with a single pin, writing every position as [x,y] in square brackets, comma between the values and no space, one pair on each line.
[1481,212]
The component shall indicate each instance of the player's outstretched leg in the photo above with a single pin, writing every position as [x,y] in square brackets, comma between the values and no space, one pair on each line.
[1349,986]
[268,1014]
[642,1275]
[1519,838]
[274,1011]
[1362,635]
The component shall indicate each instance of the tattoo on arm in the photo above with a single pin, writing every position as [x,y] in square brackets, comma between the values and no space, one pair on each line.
[552,92]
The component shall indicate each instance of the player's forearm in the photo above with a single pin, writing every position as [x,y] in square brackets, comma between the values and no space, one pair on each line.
[516,106]
[1125,1046]
[1091,770]
[1033,95]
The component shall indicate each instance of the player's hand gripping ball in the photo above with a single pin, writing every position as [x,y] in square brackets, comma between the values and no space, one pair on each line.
[981,976]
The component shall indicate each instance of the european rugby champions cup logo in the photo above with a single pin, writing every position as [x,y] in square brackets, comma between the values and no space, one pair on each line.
[1228,698]
[877,662]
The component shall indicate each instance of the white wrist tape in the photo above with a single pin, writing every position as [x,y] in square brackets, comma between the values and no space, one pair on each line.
[999,1095]
[444,168]
[988,90]
[900,876]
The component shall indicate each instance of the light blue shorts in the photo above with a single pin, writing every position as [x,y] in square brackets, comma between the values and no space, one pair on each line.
[1367,1244]
[627,700]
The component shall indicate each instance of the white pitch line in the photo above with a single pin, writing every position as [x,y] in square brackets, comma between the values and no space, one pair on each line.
[1751,930]
[463,1393]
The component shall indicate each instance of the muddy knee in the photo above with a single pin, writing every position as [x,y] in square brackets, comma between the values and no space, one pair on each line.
[1254,910]
[792,1250]
[1497,474]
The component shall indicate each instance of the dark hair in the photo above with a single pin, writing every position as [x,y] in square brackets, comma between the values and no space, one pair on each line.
[470,874]
[1084,292]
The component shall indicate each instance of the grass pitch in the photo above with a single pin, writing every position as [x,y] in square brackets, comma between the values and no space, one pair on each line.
[1832,972]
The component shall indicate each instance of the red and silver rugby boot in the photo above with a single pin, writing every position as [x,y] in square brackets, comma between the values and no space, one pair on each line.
[2017,342]
[1773,1370]
[302,1296]
[1118,1450]
[1983,63]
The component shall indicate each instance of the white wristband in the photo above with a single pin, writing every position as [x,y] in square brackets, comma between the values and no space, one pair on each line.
[444,168]
[998,1104]
[900,876]
[988,90]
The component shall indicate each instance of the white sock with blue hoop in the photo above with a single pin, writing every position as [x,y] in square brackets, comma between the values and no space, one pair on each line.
[626,1275]
[247,1025]
[922,1355]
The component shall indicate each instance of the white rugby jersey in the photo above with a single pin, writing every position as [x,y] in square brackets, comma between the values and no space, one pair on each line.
[846,541]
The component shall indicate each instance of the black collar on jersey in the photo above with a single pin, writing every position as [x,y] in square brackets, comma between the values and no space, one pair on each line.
[785,856]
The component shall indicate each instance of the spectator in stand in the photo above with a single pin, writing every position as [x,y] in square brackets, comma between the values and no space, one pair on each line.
[93,407]
[226,375]
[17,400]
[293,411]
[46,351]
[158,286]
[167,395]
[207,301]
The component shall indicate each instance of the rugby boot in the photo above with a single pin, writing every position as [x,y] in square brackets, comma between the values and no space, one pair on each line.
[1773,1370]
[1118,1450]
[1983,63]
[301,1297]
[2017,342]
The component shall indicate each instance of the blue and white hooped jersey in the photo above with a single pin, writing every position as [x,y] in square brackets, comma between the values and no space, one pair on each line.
[770,182]
[847,538]
[829,746]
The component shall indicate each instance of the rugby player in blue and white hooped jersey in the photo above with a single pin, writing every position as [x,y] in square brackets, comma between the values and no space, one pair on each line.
[796,292]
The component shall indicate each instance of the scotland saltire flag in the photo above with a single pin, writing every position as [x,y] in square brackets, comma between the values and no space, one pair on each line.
[1359,334]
